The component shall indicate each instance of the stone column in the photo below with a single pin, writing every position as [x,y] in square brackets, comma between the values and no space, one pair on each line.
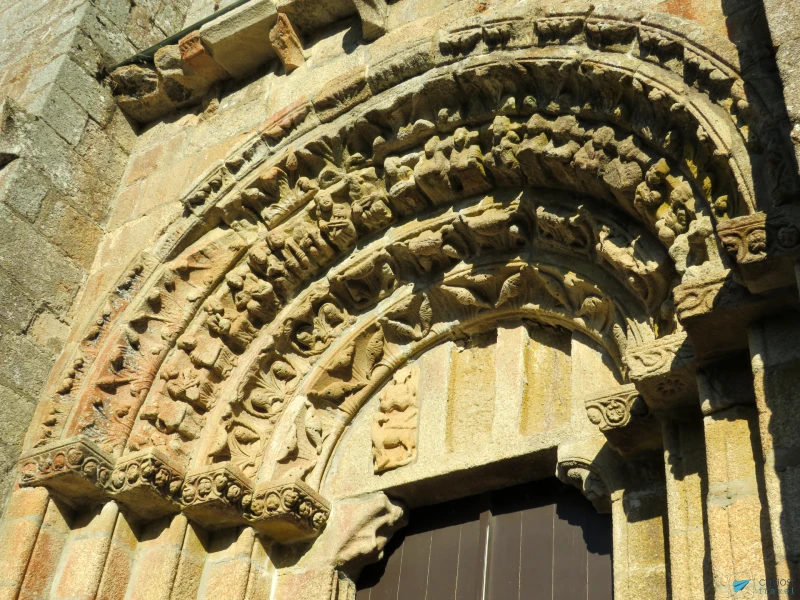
[775,356]
[22,521]
[635,489]
[686,482]
[736,520]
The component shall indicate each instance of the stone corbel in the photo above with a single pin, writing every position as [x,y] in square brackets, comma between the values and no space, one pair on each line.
[356,536]
[373,15]
[764,246]
[286,43]
[716,309]
[75,469]
[624,418]
[664,372]
[578,466]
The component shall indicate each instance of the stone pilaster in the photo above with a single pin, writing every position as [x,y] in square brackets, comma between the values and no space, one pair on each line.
[735,516]
[776,379]
[634,491]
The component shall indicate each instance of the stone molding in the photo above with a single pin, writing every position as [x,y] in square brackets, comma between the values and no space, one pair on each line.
[246,347]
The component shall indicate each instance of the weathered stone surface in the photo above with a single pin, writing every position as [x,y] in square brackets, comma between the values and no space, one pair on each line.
[239,40]
[400,268]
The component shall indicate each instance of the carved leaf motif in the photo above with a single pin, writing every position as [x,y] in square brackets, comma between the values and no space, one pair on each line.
[465,296]
[409,323]
[373,351]
[554,286]
[512,287]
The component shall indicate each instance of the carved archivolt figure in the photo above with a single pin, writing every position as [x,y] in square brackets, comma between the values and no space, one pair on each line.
[394,430]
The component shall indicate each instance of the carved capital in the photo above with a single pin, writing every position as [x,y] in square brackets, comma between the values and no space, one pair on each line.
[715,310]
[75,468]
[287,511]
[765,246]
[581,475]
[624,419]
[146,482]
[616,409]
[214,496]
[664,371]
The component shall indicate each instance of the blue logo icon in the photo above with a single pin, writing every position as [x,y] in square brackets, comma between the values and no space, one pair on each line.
[739,585]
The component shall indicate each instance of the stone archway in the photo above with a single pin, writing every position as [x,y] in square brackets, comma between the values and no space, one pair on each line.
[556,178]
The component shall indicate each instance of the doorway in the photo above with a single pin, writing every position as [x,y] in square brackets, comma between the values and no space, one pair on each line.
[537,541]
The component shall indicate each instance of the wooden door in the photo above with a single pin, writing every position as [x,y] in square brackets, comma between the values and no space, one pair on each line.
[542,540]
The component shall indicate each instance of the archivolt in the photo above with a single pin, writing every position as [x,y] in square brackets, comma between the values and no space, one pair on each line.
[237,314]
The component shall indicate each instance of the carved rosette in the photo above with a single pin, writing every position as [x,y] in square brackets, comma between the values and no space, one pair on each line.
[214,496]
[287,511]
[664,371]
[624,419]
[75,468]
[147,483]
[615,410]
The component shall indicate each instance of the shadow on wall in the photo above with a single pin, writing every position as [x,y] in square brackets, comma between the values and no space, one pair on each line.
[776,183]
[775,169]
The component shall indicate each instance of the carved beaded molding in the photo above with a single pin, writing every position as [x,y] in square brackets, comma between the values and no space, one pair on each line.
[519,168]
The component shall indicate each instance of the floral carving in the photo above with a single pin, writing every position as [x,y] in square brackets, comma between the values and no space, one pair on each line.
[615,410]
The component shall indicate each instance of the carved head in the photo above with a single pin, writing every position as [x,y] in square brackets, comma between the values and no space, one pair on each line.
[431,146]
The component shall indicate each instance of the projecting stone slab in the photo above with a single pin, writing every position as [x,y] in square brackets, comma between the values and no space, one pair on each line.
[239,40]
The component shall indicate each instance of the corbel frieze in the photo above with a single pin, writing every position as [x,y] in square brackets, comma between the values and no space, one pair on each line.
[74,468]
[664,371]
[287,510]
[150,485]
[625,419]
[214,496]
[764,246]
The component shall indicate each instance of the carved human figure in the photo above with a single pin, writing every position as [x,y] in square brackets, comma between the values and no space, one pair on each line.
[503,157]
[394,429]
[335,220]
[467,172]
[432,171]
[369,200]
[404,195]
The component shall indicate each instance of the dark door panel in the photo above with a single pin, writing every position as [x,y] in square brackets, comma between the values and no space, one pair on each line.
[536,541]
